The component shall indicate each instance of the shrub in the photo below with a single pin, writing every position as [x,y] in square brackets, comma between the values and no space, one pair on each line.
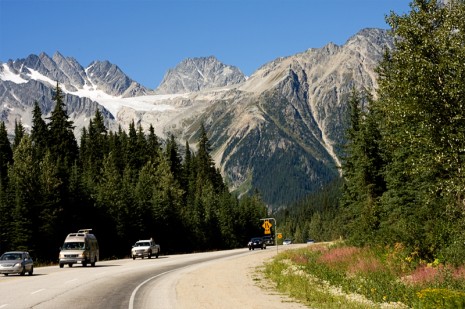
[440,298]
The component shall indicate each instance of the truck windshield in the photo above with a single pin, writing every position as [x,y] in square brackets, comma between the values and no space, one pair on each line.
[142,244]
[73,246]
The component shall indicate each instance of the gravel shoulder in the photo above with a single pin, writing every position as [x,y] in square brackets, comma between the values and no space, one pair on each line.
[232,283]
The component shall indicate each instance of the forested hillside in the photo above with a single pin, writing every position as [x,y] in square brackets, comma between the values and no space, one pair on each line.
[404,163]
[125,186]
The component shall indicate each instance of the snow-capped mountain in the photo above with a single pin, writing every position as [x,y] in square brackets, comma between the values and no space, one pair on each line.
[278,131]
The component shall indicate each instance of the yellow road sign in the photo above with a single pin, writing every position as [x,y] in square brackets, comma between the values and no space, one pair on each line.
[267,226]
[280,235]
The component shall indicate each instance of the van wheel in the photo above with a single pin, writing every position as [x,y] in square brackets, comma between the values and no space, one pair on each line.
[70,265]
[84,263]
[31,271]
[61,265]
[93,263]
[156,255]
[150,255]
[133,257]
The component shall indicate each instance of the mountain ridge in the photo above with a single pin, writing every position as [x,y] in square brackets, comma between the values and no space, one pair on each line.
[279,130]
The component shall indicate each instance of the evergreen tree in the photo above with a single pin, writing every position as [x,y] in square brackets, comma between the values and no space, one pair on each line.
[110,200]
[174,160]
[50,219]
[144,194]
[6,219]
[363,169]
[39,131]
[153,145]
[63,145]
[6,153]
[166,203]
[205,164]
[19,133]
[94,147]
[133,154]
[25,188]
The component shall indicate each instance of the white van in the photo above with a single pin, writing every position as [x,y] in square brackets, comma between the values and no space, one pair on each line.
[79,248]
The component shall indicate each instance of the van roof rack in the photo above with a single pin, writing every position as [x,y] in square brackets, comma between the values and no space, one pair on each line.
[86,231]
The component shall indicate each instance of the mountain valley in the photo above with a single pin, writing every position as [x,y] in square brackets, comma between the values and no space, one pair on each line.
[279,130]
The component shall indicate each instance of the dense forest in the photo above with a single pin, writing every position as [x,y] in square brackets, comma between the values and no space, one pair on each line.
[404,164]
[124,185]
[403,171]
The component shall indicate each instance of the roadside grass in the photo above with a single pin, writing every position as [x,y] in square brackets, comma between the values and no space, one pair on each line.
[339,276]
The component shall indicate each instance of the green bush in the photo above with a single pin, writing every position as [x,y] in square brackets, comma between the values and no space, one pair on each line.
[440,298]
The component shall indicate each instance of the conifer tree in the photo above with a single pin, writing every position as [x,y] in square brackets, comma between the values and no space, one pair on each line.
[132,151]
[39,131]
[166,204]
[19,133]
[63,143]
[362,170]
[94,147]
[144,193]
[117,145]
[6,219]
[6,153]
[174,160]
[109,197]
[51,220]
[23,177]
[142,147]
[153,145]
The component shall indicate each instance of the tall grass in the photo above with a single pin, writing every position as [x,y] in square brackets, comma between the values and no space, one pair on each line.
[335,276]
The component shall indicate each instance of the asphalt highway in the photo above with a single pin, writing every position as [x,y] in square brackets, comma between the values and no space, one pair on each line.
[127,283]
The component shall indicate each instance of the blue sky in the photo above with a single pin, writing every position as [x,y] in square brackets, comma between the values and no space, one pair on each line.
[147,37]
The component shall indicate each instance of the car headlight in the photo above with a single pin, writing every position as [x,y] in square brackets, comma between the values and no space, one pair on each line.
[17,265]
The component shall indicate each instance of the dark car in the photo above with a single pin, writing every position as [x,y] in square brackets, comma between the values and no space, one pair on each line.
[269,241]
[16,262]
[256,242]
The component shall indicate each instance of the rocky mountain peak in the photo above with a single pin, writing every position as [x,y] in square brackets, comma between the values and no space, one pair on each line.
[195,74]
[279,131]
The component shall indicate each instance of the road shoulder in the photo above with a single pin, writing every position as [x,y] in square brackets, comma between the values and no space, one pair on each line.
[231,283]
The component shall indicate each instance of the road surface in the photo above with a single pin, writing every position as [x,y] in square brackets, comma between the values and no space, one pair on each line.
[167,282]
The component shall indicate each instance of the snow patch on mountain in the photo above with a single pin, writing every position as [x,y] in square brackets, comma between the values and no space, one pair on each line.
[7,75]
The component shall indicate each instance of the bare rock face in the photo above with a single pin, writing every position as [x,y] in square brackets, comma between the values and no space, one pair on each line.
[283,128]
[110,79]
[279,131]
[195,74]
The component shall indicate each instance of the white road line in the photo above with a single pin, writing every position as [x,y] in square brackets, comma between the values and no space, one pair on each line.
[71,280]
[38,291]
[133,295]
[3,306]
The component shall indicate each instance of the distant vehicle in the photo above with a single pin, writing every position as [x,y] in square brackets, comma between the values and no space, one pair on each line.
[269,241]
[287,241]
[79,248]
[16,262]
[145,248]
[310,241]
[256,242]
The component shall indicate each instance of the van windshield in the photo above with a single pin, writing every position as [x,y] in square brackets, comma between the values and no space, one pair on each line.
[73,246]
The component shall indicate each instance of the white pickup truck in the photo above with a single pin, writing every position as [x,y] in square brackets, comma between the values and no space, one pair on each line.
[145,248]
